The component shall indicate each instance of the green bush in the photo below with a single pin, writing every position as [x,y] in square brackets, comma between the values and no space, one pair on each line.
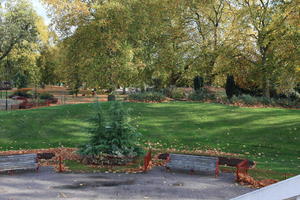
[147,96]
[286,102]
[46,96]
[248,99]
[222,100]
[266,101]
[22,93]
[73,92]
[37,101]
[201,95]
[112,134]
[295,96]
[244,99]
[175,93]
[235,99]
[111,97]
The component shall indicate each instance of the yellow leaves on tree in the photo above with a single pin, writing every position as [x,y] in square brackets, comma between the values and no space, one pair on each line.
[67,14]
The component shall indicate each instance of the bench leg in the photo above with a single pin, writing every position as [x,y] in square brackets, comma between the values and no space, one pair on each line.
[216,175]
[217,169]
[38,165]
[168,169]
[192,172]
[60,164]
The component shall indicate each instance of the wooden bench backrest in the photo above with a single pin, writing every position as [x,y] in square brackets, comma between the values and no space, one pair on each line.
[206,164]
[18,162]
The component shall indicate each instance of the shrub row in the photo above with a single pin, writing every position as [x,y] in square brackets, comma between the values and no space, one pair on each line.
[22,93]
[175,93]
[147,97]
[202,95]
[251,100]
[29,94]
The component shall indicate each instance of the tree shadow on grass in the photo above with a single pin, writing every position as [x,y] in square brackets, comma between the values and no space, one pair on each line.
[45,127]
[266,131]
[187,124]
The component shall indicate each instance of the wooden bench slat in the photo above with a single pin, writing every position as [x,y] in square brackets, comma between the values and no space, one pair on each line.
[28,165]
[14,168]
[14,163]
[17,156]
[17,168]
[18,164]
[16,160]
[19,161]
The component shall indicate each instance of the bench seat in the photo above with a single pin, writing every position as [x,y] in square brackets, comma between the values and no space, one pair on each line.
[194,163]
[18,162]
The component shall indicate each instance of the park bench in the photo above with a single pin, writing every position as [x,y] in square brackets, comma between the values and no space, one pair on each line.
[18,162]
[193,163]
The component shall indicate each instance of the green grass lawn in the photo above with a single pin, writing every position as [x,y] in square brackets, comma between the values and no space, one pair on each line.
[270,136]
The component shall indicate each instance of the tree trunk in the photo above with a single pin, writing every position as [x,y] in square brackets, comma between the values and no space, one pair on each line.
[265,81]
[266,88]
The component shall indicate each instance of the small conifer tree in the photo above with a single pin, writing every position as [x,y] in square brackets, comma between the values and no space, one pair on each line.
[198,83]
[112,134]
[230,87]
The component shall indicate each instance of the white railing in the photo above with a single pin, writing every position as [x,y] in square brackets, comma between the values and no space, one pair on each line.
[286,189]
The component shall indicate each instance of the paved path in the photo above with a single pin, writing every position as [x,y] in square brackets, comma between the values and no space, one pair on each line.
[156,184]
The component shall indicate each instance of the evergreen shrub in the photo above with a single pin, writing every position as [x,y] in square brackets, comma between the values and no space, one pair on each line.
[113,138]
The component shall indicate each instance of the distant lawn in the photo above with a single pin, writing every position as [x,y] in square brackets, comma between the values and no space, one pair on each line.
[269,136]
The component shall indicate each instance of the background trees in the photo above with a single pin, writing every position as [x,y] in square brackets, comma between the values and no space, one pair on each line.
[23,34]
[264,25]
[118,43]
[17,26]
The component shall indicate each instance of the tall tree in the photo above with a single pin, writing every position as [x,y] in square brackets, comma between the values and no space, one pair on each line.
[23,34]
[206,21]
[263,24]
[17,25]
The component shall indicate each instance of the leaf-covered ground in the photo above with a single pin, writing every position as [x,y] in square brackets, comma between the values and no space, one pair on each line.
[267,135]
